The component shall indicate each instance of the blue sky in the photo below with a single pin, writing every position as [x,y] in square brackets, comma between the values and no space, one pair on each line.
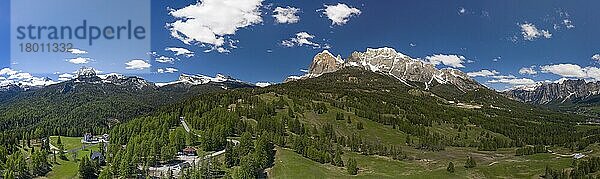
[555,39]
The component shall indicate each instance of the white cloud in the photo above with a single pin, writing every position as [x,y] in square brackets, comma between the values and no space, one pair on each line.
[340,14]
[79,60]
[301,39]
[167,70]
[8,71]
[163,59]
[288,15]
[137,65]
[263,84]
[595,57]
[530,32]
[65,77]
[180,51]
[527,71]
[566,70]
[568,23]
[212,21]
[574,71]
[77,51]
[504,77]
[497,59]
[483,73]
[20,76]
[462,10]
[455,61]
[514,81]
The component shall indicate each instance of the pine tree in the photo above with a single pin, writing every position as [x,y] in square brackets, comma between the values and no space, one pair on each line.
[450,167]
[359,126]
[470,163]
[352,168]
[337,159]
[9,174]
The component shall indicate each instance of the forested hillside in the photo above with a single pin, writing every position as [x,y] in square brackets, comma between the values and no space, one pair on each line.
[330,119]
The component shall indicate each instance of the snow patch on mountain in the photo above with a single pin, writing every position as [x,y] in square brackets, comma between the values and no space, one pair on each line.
[200,80]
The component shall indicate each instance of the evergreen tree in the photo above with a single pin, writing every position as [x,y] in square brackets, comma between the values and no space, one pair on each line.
[8,174]
[351,167]
[450,167]
[359,126]
[86,169]
[470,163]
[337,159]
[39,164]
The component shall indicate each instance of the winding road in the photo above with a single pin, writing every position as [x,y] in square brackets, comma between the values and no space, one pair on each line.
[187,129]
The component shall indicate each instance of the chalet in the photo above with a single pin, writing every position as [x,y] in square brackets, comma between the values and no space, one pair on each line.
[88,137]
[189,151]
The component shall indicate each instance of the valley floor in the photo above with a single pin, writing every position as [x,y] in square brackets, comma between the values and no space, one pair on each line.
[501,164]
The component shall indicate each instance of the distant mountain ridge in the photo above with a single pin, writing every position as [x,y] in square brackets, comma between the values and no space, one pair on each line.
[97,101]
[410,71]
[561,92]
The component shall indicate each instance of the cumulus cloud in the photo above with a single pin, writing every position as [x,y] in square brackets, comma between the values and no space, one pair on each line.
[455,61]
[20,76]
[462,10]
[573,71]
[531,32]
[167,70]
[563,20]
[263,84]
[301,39]
[79,60]
[514,81]
[568,23]
[212,21]
[65,77]
[287,15]
[8,71]
[77,51]
[137,65]
[180,51]
[483,73]
[164,59]
[596,57]
[340,14]
[527,71]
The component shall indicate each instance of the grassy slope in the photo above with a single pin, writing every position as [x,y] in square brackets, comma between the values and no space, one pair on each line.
[289,164]
[67,169]
[68,142]
[426,164]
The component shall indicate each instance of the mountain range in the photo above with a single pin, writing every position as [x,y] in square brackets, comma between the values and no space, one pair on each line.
[98,100]
[410,71]
[103,99]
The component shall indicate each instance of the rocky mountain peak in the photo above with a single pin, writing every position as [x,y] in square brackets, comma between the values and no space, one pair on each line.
[325,62]
[86,72]
[390,62]
[406,69]
[561,91]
